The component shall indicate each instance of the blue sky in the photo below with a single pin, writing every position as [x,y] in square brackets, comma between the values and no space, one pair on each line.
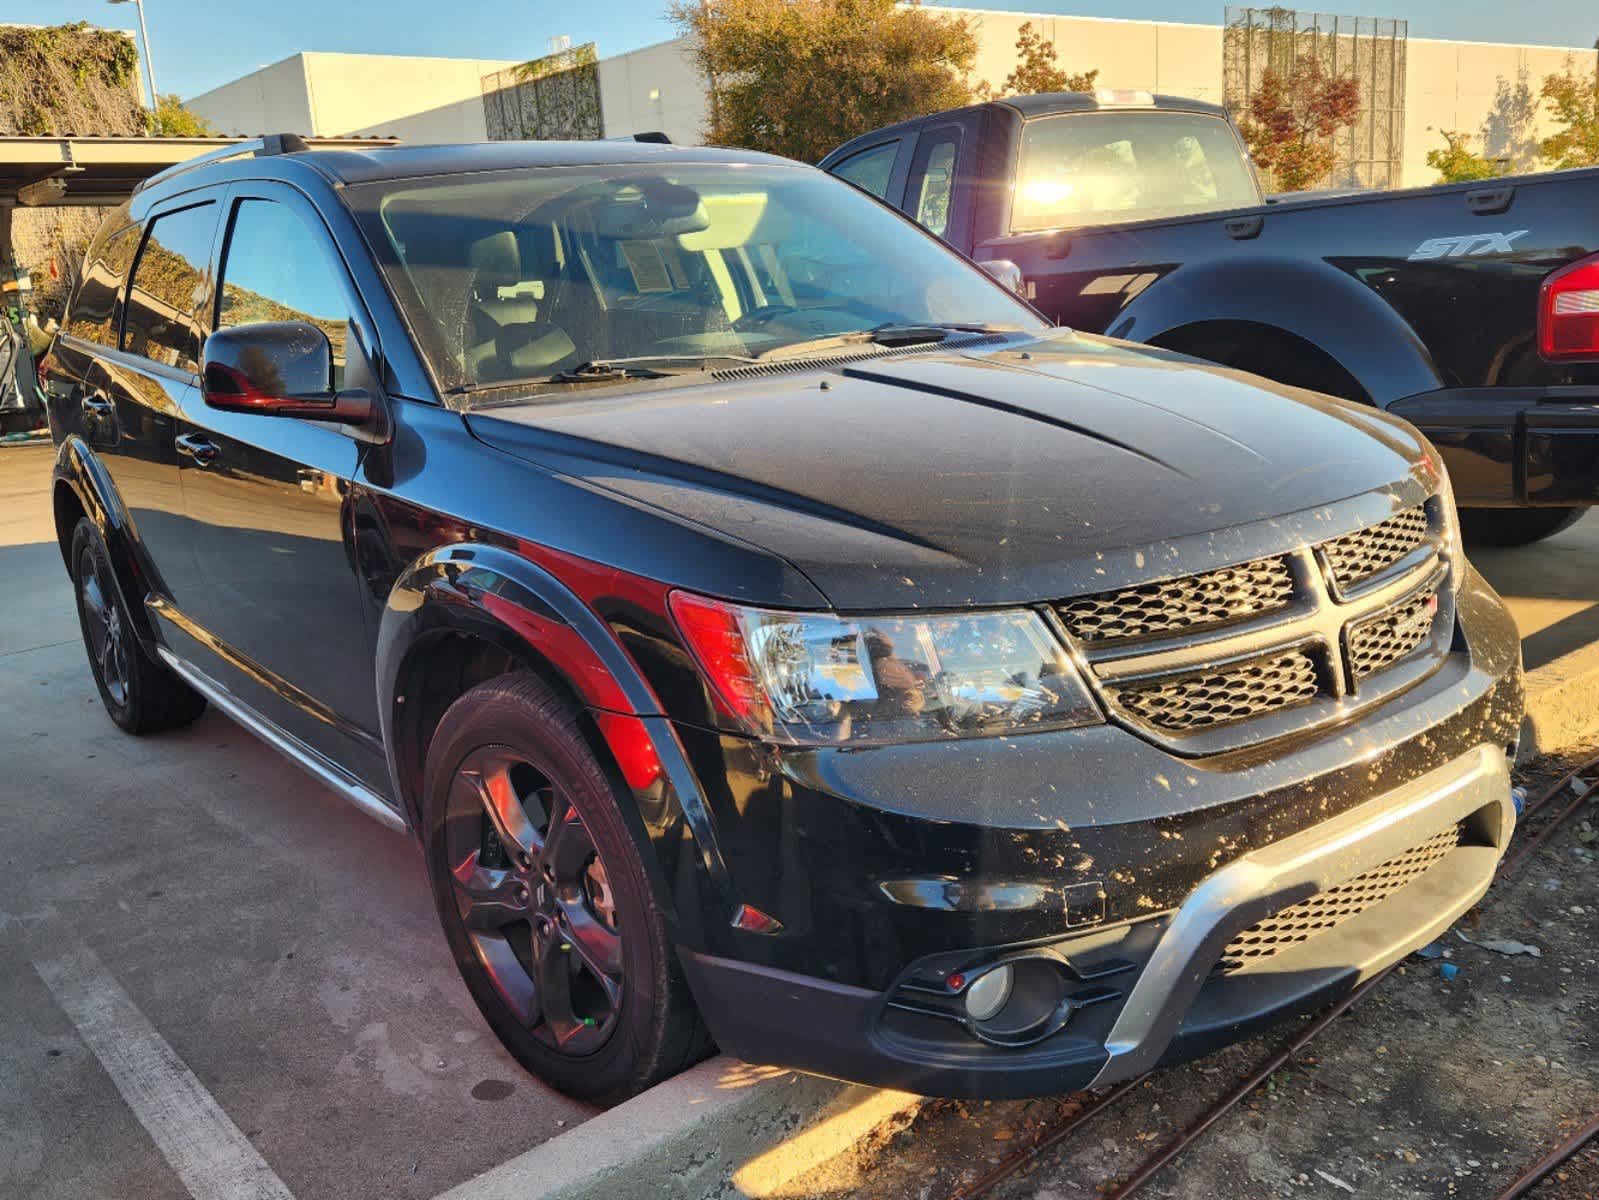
[202,43]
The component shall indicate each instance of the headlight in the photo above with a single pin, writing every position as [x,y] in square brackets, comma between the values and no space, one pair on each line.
[1454,543]
[821,679]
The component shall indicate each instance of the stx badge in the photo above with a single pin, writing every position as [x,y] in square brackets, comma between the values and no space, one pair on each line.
[1467,245]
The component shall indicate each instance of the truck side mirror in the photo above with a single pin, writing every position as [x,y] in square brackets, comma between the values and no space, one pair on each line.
[1007,273]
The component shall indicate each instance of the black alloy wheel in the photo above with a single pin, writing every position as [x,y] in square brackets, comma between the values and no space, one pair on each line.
[535,899]
[541,885]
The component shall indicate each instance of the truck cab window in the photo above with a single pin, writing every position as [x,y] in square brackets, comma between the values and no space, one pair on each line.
[870,170]
[1081,169]
[933,180]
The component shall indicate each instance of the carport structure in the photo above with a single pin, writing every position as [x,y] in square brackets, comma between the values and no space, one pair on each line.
[82,171]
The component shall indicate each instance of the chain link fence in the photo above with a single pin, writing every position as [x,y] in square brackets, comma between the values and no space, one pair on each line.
[1370,49]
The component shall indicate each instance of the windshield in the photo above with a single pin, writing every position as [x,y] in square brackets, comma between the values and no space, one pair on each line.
[1082,169]
[512,276]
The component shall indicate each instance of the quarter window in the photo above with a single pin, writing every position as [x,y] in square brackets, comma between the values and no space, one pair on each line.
[278,268]
[94,309]
[870,170]
[169,289]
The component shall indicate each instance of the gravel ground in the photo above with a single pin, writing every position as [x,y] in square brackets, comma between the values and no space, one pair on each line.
[1428,1088]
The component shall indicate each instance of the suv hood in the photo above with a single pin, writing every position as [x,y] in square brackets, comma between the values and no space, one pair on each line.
[1038,470]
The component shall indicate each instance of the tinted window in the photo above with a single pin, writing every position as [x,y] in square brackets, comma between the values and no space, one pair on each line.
[1100,168]
[105,268]
[278,267]
[169,289]
[870,170]
[933,180]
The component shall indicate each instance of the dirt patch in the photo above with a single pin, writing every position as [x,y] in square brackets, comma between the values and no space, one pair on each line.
[1431,1087]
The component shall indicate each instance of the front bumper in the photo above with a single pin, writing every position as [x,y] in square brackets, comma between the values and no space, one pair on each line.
[1169,1002]
[1127,868]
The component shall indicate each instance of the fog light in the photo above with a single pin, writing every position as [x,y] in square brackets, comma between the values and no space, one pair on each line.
[988,995]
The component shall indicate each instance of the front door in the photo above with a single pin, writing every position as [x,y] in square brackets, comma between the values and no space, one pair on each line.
[280,613]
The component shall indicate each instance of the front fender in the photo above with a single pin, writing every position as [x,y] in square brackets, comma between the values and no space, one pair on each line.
[493,594]
[1308,299]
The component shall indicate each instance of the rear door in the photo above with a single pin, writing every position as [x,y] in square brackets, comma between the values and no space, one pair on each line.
[280,615]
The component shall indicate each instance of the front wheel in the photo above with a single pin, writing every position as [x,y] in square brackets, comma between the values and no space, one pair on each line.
[544,898]
[1515,526]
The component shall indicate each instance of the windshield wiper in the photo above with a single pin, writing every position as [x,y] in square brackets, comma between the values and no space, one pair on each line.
[890,333]
[641,366]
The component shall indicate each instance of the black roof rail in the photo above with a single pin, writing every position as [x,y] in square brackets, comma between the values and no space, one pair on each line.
[268,144]
[653,136]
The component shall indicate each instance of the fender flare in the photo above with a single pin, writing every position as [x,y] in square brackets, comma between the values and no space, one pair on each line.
[80,471]
[1307,299]
[500,597]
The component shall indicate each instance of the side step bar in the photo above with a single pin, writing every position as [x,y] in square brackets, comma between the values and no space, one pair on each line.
[308,760]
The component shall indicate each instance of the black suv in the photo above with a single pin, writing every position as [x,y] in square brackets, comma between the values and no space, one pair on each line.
[768,627]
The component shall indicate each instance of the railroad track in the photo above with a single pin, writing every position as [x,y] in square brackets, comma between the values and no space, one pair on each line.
[1585,777]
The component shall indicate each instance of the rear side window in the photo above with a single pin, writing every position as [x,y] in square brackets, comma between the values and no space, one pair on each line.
[94,309]
[870,170]
[279,268]
[169,289]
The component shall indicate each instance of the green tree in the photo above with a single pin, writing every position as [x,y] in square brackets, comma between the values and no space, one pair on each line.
[172,119]
[798,77]
[1574,104]
[1037,71]
[1458,162]
[1291,119]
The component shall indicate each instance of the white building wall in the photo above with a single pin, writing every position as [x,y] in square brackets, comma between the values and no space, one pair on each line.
[273,99]
[418,100]
[655,88]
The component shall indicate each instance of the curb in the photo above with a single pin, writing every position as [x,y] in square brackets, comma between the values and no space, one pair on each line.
[1562,702]
[722,1129]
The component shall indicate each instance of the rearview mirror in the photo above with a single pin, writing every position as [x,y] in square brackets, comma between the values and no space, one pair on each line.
[278,368]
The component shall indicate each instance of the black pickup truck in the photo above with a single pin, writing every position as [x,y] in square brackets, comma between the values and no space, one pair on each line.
[1471,310]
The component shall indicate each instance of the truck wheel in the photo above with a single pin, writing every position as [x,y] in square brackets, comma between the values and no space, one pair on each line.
[544,898]
[1515,526]
[140,694]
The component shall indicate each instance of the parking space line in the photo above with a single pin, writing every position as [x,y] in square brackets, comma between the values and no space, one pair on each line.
[208,1151]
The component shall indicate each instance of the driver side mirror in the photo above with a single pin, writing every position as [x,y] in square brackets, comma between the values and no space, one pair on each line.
[1007,273]
[281,369]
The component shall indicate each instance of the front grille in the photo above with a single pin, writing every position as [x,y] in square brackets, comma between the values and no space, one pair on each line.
[1358,556]
[1181,605]
[1202,700]
[1378,642]
[1326,910]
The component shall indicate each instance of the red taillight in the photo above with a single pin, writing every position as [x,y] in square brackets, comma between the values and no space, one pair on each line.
[712,632]
[1568,312]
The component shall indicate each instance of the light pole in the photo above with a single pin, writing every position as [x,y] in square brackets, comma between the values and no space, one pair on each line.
[149,59]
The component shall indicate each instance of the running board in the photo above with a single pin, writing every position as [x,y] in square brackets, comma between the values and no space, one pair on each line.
[308,760]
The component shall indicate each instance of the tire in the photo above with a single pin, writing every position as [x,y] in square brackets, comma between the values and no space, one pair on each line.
[527,850]
[139,693]
[1515,526]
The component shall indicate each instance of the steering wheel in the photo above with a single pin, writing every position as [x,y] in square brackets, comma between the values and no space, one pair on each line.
[760,315]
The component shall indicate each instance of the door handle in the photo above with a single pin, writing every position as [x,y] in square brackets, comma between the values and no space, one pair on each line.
[197,447]
[1485,202]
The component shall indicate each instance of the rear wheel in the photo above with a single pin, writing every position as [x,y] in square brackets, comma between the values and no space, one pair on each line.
[140,694]
[544,899]
[1515,526]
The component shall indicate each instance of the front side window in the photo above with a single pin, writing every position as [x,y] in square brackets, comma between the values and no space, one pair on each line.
[169,288]
[525,275]
[278,267]
[870,170]
[1081,169]
[933,180]
[94,308]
